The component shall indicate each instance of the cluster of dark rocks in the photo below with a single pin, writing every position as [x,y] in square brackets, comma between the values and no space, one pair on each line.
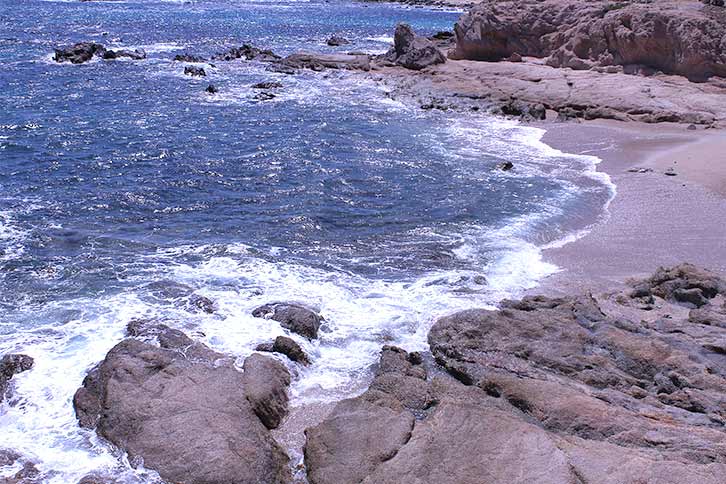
[85,51]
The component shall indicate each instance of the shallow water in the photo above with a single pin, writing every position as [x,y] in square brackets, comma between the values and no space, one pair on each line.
[120,180]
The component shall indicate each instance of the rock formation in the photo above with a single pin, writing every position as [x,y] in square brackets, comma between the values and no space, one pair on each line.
[544,390]
[672,36]
[295,317]
[288,347]
[185,411]
[11,365]
[85,51]
[413,52]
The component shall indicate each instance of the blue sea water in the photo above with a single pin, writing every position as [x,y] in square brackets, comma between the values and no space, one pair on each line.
[122,180]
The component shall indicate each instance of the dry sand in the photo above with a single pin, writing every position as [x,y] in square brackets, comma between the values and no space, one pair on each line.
[655,219]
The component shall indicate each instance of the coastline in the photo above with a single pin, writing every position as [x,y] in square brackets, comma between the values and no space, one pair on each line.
[655,219]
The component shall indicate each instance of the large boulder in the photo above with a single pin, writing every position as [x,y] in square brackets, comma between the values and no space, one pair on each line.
[265,384]
[248,52]
[185,411]
[672,36]
[545,390]
[79,53]
[413,52]
[288,347]
[11,365]
[295,317]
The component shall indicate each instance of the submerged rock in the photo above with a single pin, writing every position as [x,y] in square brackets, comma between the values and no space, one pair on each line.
[28,473]
[267,85]
[136,54]
[337,40]
[413,52]
[186,411]
[11,365]
[295,317]
[248,52]
[195,71]
[211,89]
[189,58]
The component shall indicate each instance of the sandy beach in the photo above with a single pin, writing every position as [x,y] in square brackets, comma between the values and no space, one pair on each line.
[655,219]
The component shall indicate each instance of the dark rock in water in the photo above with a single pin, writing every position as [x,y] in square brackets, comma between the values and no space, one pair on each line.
[413,52]
[282,69]
[196,301]
[320,62]
[265,383]
[79,53]
[505,165]
[337,40]
[267,85]
[11,365]
[247,52]
[28,472]
[211,89]
[264,96]
[525,111]
[194,71]
[286,346]
[546,390]
[187,418]
[295,317]
[189,58]
[670,172]
[137,54]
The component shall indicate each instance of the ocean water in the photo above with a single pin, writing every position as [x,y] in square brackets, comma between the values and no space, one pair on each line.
[124,187]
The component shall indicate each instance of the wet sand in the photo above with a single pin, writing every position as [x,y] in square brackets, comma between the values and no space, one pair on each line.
[655,219]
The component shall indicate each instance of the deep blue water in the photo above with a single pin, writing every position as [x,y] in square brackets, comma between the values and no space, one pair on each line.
[118,174]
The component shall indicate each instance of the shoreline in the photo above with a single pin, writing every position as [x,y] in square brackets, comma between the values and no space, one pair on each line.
[654,219]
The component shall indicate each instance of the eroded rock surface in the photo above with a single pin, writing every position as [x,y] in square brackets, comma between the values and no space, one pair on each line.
[544,390]
[185,411]
[675,37]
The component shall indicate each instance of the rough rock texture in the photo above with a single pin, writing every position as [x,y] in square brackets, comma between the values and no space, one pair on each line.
[673,36]
[265,383]
[295,317]
[136,54]
[574,94]
[413,52]
[185,410]
[189,58]
[288,347]
[545,390]
[337,40]
[11,365]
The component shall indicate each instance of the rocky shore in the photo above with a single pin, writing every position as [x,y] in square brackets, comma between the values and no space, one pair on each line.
[627,386]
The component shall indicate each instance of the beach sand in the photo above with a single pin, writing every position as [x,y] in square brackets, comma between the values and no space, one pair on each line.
[654,219]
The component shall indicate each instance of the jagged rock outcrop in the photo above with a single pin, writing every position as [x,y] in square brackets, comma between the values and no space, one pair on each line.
[295,317]
[185,411]
[195,71]
[11,365]
[544,390]
[248,52]
[27,472]
[672,36]
[413,52]
[85,51]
